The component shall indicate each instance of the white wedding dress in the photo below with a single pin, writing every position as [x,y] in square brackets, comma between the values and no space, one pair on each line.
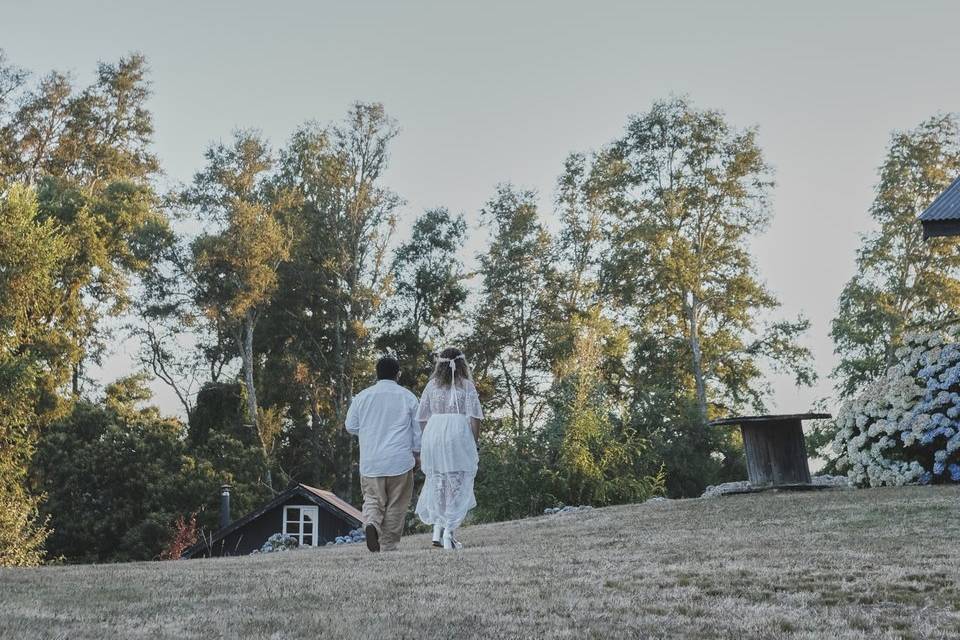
[448,453]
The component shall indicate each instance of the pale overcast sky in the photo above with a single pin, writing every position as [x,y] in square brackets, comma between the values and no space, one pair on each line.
[490,91]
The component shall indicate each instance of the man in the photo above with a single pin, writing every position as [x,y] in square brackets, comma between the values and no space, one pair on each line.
[383,416]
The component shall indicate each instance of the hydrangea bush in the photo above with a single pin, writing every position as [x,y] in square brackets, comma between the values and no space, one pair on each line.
[905,427]
[279,542]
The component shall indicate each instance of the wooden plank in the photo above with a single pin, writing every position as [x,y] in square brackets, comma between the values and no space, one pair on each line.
[776,453]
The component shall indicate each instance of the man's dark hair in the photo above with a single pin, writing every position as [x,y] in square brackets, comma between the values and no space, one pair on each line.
[387,368]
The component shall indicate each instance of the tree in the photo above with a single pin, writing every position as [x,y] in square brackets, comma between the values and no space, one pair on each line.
[87,152]
[685,193]
[237,265]
[319,335]
[902,282]
[516,307]
[601,458]
[31,364]
[117,476]
[428,293]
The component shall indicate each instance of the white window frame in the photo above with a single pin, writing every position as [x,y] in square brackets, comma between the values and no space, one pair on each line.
[313,511]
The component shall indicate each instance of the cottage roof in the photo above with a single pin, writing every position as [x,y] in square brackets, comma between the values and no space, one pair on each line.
[942,217]
[946,206]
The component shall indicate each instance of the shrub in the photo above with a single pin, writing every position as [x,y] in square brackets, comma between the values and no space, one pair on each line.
[279,542]
[184,536]
[905,427]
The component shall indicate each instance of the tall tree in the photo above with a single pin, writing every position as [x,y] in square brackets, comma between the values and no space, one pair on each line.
[237,264]
[901,280]
[333,285]
[686,192]
[32,364]
[427,295]
[88,152]
[516,308]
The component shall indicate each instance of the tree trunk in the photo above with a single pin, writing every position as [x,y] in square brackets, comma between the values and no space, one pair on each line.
[697,358]
[246,353]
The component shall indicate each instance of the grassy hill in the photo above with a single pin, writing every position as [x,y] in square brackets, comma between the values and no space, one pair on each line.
[840,564]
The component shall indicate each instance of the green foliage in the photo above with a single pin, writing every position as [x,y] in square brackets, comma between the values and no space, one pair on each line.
[685,192]
[31,364]
[428,294]
[902,282]
[508,345]
[236,267]
[317,331]
[87,152]
[584,454]
[117,476]
[112,480]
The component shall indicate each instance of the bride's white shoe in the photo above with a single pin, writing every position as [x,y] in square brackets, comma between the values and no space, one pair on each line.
[449,542]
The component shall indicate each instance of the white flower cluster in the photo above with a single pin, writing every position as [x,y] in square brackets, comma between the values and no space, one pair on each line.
[905,427]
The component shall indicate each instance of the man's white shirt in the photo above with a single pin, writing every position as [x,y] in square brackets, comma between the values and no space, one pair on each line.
[383,416]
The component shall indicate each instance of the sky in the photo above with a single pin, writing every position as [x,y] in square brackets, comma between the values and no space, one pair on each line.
[493,91]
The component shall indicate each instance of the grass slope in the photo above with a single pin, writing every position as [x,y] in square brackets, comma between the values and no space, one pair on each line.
[880,563]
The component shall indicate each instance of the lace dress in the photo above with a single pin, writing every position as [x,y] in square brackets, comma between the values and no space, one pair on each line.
[448,453]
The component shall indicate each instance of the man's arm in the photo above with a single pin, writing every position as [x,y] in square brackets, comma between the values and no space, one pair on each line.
[416,430]
[352,423]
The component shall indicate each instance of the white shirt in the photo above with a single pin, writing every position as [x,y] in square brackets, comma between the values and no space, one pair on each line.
[384,417]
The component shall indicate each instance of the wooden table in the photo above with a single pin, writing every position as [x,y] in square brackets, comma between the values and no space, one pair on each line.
[775,448]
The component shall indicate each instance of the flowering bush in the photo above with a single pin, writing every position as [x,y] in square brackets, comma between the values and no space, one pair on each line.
[905,427]
[279,542]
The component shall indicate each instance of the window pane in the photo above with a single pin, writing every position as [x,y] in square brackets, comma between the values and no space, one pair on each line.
[307,540]
[293,513]
[293,528]
[308,527]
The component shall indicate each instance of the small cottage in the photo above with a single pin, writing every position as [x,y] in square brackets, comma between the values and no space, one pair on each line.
[942,217]
[312,516]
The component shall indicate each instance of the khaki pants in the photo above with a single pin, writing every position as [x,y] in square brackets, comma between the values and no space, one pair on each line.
[385,503]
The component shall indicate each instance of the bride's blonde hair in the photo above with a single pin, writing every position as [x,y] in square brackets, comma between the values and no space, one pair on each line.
[443,372]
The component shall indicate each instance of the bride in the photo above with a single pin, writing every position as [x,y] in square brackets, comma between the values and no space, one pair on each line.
[450,410]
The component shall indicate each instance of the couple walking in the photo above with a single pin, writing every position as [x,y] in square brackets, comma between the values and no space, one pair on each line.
[397,433]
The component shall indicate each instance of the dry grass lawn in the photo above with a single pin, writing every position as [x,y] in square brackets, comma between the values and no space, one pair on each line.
[834,564]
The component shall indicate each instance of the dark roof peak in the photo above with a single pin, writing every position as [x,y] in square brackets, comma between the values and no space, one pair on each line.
[946,206]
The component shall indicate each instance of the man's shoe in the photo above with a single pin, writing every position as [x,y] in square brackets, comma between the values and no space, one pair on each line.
[373,537]
[437,535]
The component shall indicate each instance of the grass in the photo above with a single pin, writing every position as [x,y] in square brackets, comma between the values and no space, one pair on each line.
[875,564]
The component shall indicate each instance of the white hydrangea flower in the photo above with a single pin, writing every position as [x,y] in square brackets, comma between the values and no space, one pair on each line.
[905,413]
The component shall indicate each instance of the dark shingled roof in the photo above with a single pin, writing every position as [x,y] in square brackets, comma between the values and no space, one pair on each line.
[946,206]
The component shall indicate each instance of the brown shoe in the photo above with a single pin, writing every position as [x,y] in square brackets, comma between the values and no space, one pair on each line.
[373,537]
